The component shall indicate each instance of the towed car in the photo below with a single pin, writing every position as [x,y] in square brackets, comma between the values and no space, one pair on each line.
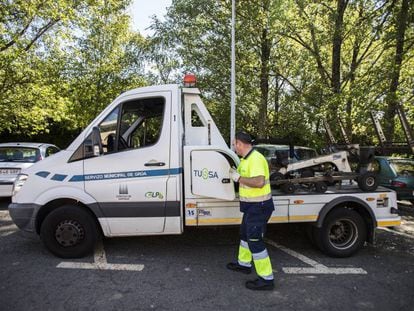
[15,157]
[300,153]
[396,174]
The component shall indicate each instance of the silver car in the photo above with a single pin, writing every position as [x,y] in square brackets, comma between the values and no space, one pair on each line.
[15,157]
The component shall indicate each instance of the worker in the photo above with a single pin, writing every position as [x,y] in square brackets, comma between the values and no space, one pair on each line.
[256,204]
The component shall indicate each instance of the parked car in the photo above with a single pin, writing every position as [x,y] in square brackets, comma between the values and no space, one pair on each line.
[397,174]
[15,157]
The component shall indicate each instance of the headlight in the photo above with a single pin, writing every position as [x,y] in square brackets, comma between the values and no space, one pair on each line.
[18,183]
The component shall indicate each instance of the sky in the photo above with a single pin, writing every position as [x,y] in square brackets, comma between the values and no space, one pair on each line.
[141,10]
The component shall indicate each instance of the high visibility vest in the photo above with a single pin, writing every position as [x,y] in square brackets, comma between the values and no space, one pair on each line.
[253,165]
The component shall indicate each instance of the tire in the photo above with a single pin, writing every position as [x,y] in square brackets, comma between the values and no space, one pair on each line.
[69,231]
[307,173]
[368,182]
[275,176]
[321,187]
[288,188]
[342,234]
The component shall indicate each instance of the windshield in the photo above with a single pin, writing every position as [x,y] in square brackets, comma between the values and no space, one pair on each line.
[19,154]
[267,152]
[403,167]
[305,154]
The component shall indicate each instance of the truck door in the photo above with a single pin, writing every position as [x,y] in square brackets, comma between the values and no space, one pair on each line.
[210,175]
[129,180]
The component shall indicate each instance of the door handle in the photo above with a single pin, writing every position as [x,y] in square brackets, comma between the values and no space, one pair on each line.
[154,164]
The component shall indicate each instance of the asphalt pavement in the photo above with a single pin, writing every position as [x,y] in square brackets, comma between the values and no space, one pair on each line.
[187,272]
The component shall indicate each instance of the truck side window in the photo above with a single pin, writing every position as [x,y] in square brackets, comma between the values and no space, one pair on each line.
[141,123]
[108,129]
[196,120]
[51,150]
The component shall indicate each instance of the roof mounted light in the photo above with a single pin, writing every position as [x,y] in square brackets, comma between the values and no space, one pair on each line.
[190,80]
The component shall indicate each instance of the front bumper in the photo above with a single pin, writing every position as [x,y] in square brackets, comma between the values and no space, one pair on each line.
[23,215]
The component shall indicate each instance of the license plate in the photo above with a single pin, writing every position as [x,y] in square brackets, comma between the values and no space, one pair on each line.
[9,171]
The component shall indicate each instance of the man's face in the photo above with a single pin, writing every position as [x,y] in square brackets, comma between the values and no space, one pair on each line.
[238,146]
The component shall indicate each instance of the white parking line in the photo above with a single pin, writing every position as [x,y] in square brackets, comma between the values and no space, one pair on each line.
[397,232]
[100,263]
[7,230]
[316,267]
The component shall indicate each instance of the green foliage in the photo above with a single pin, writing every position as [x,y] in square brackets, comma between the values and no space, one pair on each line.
[300,72]
[62,62]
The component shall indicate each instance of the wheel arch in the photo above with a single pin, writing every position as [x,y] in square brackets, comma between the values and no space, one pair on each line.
[355,204]
[44,210]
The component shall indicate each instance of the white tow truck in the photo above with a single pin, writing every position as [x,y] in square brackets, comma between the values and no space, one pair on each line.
[154,162]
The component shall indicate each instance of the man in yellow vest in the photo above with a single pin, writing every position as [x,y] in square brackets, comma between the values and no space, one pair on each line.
[256,204]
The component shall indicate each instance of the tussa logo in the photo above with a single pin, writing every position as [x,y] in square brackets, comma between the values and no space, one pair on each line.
[205,174]
[154,195]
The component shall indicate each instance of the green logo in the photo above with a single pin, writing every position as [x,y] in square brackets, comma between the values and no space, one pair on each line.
[204,173]
[154,195]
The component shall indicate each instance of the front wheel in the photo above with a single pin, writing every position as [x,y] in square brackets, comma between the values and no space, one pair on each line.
[342,234]
[69,231]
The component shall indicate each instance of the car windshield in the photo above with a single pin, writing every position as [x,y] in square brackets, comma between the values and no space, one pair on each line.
[403,167]
[19,154]
[267,152]
[305,154]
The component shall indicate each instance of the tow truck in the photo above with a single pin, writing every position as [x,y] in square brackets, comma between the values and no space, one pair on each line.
[154,163]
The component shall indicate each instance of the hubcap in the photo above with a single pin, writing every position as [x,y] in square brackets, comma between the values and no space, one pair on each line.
[343,234]
[69,233]
[370,181]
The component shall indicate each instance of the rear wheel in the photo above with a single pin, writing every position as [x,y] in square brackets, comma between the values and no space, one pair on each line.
[276,176]
[69,231]
[368,182]
[288,188]
[307,173]
[342,234]
[321,187]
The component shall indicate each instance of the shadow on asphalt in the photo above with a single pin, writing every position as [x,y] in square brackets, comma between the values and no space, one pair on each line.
[4,203]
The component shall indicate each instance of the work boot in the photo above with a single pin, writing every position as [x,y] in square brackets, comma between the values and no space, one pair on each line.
[239,268]
[260,284]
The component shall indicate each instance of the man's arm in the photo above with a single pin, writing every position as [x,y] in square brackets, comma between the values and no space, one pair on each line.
[254,182]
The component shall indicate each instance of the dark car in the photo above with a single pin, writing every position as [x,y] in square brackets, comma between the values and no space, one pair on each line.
[396,174]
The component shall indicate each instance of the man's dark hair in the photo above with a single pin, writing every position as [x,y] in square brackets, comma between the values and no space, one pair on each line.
[244,137]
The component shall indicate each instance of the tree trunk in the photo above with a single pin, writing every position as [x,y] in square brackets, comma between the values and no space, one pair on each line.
[336,48]
[264,78]
[392,99]
[349,102]
[276,101]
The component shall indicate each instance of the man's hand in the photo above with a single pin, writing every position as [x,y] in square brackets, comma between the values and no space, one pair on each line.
[234,174]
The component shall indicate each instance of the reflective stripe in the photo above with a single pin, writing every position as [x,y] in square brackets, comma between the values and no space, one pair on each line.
[245,264]
[267,277]
[247,187]
[245,256]
[262,255]
[244,244]
[256,199]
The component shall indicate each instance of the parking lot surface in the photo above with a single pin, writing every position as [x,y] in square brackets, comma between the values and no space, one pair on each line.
[187,272]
